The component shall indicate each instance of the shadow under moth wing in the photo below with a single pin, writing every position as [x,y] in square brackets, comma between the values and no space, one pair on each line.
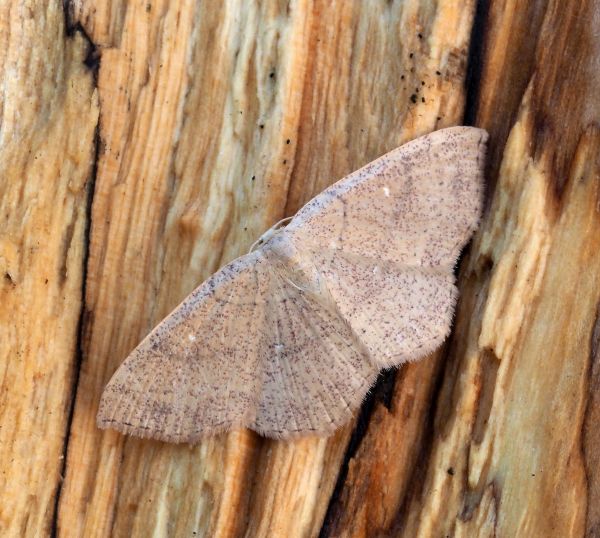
[288,339]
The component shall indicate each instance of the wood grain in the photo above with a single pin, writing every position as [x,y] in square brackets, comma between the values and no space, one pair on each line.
[48,116]
[216,120]
[195,165]
[512,450]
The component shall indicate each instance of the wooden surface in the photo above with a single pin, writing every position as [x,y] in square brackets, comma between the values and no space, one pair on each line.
[194,104]
[48,116]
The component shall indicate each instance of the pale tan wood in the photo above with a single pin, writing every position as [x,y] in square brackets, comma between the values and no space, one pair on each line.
[196,100]
[512,433]
[48,116]
[514,448]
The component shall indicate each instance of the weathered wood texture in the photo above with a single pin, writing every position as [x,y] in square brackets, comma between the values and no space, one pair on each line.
[513,448]
[48,116]
[497,434]
[195,165]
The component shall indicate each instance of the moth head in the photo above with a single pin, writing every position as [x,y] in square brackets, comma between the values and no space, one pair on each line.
[264,238]
[270,233]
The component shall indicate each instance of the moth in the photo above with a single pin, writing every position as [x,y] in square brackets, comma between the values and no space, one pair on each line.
[288,339]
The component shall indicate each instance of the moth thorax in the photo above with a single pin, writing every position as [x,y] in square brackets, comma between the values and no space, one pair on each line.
[278,242]
[299,267]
